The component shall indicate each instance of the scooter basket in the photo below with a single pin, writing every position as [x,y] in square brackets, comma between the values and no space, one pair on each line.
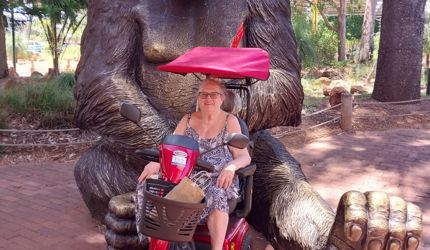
[167,219]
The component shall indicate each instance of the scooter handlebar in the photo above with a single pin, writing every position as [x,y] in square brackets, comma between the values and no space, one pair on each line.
[204,165]
[150,154]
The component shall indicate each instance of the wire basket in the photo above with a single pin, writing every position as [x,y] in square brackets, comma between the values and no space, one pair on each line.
[167,219]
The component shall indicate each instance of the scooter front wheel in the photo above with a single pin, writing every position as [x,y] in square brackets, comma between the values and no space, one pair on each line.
[182,246]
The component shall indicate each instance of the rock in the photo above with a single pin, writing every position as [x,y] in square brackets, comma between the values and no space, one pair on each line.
[326,91]
[36,74]
[12,73]
[335,95]
[324,81]
[357,89]
[330,73]
[314,73]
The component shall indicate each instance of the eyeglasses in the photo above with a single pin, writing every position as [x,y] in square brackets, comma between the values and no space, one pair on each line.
[212,95]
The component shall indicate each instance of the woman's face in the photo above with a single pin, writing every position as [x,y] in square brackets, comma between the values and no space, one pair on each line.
[210,97]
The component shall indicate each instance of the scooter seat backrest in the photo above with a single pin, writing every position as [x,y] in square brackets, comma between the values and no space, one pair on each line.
[232,103]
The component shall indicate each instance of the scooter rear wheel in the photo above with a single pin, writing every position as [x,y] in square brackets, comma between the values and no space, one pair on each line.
[247,242]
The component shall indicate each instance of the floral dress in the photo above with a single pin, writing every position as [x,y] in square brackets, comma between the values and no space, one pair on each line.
[216,198]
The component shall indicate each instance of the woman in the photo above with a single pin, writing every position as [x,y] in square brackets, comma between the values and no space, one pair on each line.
[210,126]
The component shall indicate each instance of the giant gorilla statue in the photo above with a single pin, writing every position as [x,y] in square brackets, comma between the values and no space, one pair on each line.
[122,45]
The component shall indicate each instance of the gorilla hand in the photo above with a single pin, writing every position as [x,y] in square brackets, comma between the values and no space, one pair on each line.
[375,221]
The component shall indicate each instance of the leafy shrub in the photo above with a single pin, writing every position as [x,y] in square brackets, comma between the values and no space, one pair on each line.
[51,101]
[305,45]
[326,42]
[65,80]
[317,48]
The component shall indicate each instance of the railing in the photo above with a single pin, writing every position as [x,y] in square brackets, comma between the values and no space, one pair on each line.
[345,119]
[346,116]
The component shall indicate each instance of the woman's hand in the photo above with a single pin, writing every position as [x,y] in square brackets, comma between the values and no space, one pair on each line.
[150,169]
[225,178]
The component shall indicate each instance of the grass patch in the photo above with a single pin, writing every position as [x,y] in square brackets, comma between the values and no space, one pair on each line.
[49,100]
[313,91]
[2,151]
[3,125]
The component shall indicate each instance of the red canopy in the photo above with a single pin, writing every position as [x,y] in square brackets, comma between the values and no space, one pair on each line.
[222,62]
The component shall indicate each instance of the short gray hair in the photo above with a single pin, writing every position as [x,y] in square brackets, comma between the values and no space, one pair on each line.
[214,81]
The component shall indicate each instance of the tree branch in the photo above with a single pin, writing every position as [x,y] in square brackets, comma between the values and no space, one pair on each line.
[324,17]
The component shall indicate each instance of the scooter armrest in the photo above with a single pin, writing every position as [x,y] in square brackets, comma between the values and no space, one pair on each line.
[150,154]
[204,165]
[247,171]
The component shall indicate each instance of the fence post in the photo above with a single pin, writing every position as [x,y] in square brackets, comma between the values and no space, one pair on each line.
[346,112]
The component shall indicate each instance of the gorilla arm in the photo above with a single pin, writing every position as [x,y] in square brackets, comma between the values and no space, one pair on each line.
[285,208]
[107,77]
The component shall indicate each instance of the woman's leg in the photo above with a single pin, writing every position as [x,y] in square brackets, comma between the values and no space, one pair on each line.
[217,224]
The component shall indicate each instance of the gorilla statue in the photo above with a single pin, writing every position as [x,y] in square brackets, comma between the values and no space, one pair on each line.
[124,42]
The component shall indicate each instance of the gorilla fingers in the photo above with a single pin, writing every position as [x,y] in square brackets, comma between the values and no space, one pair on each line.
[374,220]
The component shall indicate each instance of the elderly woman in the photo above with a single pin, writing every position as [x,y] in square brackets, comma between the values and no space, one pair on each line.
[210,126]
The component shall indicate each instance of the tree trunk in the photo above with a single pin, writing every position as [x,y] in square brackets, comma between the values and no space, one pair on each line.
[398,71]
[341,30]
[4,72]
[54,47]
[367,29]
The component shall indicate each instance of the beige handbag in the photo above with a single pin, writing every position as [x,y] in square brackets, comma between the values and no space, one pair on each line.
[190,190]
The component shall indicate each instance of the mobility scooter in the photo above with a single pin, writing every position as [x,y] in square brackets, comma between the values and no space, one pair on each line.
[169,222]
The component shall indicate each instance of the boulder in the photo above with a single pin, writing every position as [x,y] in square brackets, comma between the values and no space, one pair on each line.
[326,91]
[330,73]
[357,89]
[324,81]
[335,95]
[36,74]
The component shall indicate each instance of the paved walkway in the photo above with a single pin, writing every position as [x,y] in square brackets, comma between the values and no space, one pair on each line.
[395,161]
[41,208]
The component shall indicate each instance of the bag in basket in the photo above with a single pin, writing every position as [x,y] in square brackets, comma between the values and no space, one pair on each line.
[190,190]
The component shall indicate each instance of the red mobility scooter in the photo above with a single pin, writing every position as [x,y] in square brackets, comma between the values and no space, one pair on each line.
[168,222]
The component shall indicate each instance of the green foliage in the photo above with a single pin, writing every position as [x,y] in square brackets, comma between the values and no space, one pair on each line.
[325,42]
[52,101]
[20,46]
[59,19]
[313,94]
[305,47]
[65,80]
[426,47]
[354,25]
[2,151]
[314,48]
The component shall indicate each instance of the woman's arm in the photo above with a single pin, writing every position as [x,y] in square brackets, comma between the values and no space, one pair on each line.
[241,157]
